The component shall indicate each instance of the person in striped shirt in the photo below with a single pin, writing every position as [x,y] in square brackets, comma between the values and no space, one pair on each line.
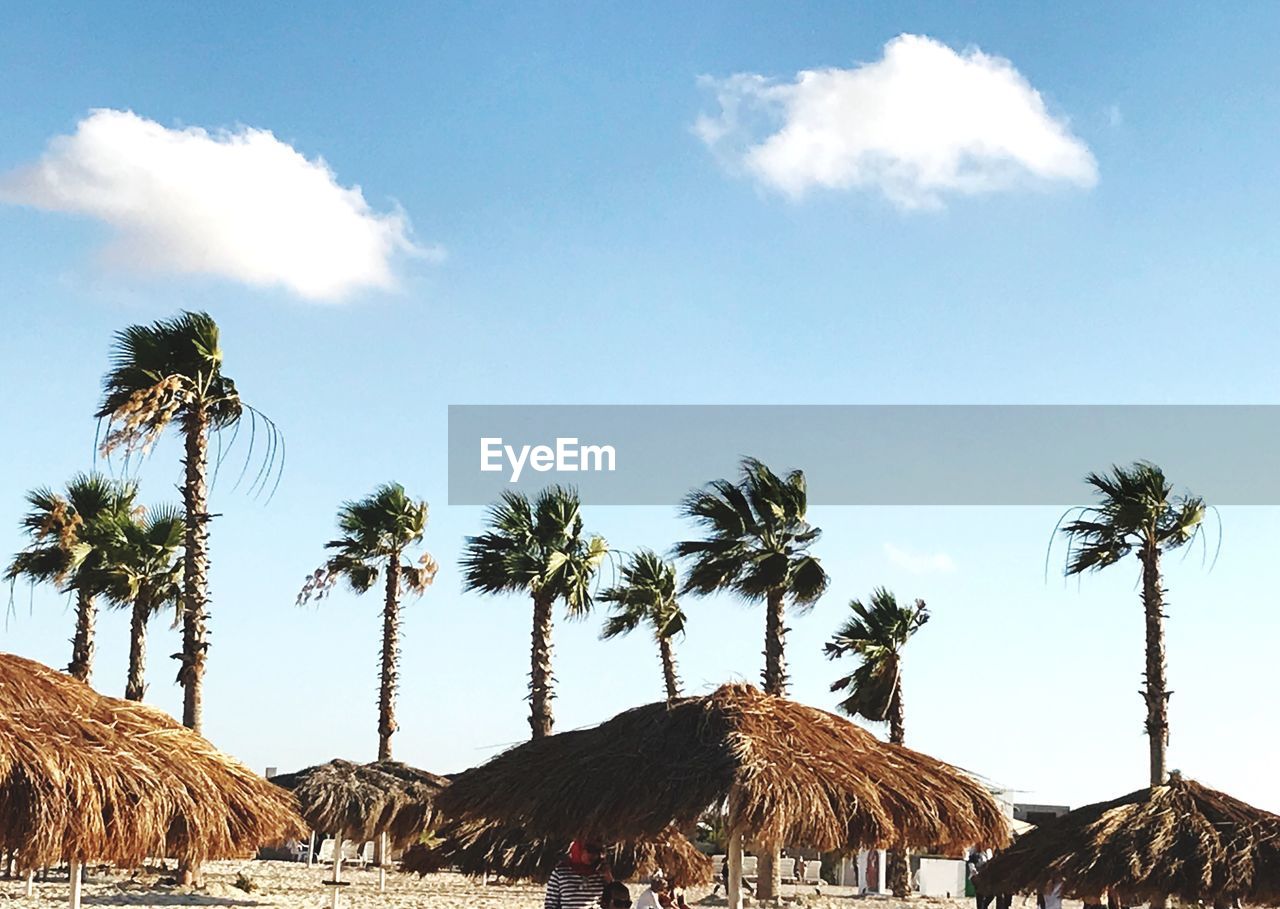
[578,882]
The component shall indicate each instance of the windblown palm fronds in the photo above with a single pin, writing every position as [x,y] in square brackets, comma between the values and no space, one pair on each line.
[363,801]
[1180,840]
[477,849]
[93,778]
[785,773]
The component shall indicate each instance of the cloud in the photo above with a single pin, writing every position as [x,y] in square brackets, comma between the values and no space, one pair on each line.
[919,563]
[918,124]
[237,204]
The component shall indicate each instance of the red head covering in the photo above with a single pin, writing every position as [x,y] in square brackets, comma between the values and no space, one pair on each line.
[582,860]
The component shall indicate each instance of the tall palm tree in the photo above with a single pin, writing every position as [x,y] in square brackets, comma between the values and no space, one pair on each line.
[647,595]
[756,544]
[67,533]
[537,547]
[143,566]
[1137,513]
[876,632]
[167,373]
[376,532]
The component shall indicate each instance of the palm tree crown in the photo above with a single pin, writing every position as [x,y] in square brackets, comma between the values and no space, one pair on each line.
[1136,510]
[537,547]
[376,530]
[876,632]
[647,595]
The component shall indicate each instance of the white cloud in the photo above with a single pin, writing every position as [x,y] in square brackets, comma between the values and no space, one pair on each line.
[237,204]
[919,563]
[921,122]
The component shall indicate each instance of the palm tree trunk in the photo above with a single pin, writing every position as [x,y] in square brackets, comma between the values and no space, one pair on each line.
[135,687]
[769,885]
[195,568]
[1155,693]
[540,719]
[775,659]
[81,666]
[390,660]
[897,868]
[669,669]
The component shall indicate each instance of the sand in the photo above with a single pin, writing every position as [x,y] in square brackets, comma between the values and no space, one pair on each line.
[291,885]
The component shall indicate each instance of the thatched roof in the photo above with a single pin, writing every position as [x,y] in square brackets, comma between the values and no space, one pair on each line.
[476,849]
[1180,840]
[362,801]
[94,778]
[788,774]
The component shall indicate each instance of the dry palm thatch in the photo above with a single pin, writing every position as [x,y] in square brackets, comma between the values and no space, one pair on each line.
[363,801]
[477,849]
[86,777]
[786,773]
[1179,840]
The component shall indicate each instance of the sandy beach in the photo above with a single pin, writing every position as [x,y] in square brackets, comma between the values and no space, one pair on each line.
[293,885]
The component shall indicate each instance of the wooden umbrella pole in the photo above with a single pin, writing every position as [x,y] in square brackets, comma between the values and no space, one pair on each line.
[311,850]
[337,868]
[31,883]
[735,869]
[77,880]
[382,865]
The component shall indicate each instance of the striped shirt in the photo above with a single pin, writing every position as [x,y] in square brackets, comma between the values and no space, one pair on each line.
[566,889]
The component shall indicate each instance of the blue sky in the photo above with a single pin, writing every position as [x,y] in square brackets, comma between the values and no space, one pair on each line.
[576,241]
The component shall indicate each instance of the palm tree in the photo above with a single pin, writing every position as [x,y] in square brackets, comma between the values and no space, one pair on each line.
[1138,513]
[538,548]
[68,535]
[376,532]
[647,595]
[171,372]
[877,633]
[756,545]
[143,565]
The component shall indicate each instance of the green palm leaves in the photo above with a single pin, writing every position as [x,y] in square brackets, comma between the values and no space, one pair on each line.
[876,633]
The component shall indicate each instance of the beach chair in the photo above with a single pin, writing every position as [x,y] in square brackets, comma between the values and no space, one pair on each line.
[366,854]
[326,851]
[749,867]
[350,851]
[813,873]
[787,869]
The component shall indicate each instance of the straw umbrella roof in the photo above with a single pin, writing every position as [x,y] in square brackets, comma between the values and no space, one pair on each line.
[363,801]
[1181,839]
[477,849]
[788,775]
[92,778]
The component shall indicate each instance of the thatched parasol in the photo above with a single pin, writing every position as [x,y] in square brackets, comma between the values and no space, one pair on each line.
[788,775]
[478,849]
[363,801]
[1181,840]
[85,777]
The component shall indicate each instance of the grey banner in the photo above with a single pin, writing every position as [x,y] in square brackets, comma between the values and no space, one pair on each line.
[862,454]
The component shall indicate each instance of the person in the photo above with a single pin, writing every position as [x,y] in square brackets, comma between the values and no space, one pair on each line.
[799,872]
[615,896]
[723,881]
[658,896]
[977,858]
[1052,896]
[578,882]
